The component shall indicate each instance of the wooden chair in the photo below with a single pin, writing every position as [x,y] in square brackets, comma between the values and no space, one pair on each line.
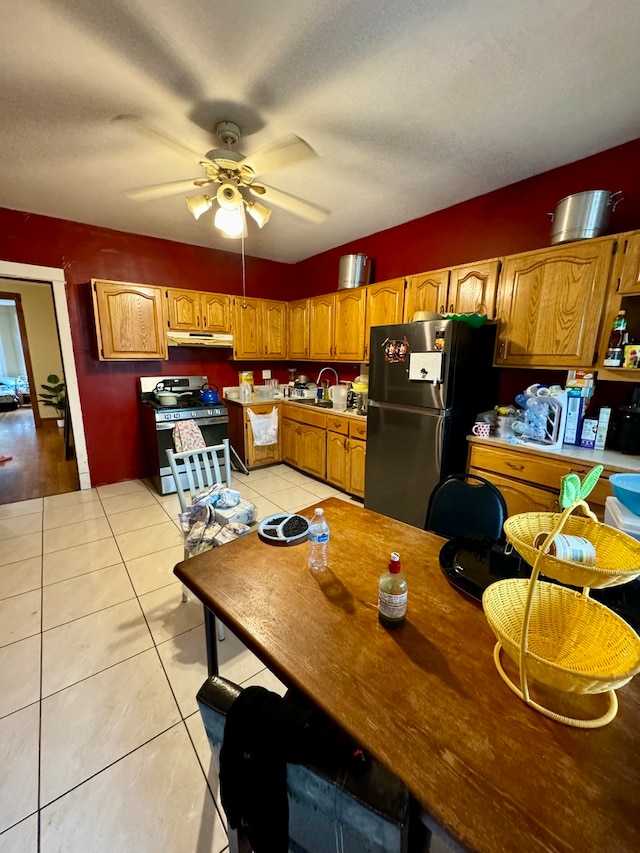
[466,505]
[195,471]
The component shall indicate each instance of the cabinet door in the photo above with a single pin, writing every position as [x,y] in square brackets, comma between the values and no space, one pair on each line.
[299,329]
[246,318]
[384,305]
[216,312]
[357,456]
[290,441]
[520,497]
[260,454]
[472,286]
[184,310]
[628,264]
[426,291]
[273,329]
[550,304]
[130,320]
[338,460]
[312,450]
[349,324]
[321,325]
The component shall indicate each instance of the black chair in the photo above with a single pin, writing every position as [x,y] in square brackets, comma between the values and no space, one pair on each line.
[466,505]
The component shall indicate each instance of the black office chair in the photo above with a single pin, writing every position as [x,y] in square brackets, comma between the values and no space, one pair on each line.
[466,505]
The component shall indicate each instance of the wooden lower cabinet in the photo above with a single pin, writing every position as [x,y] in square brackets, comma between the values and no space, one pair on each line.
[529,480]
[346,452]
[241,434]
[304,441]
[330,447]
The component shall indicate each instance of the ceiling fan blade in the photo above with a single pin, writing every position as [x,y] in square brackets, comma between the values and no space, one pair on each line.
[141,126]
[298,206]
[162,190]
[279,154]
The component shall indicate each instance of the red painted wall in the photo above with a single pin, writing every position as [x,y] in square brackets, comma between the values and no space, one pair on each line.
[511,219]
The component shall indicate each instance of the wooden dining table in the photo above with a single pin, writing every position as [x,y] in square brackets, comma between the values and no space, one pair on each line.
[426,699]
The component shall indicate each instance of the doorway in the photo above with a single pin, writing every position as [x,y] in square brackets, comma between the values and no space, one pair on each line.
[37,444]
[16,370]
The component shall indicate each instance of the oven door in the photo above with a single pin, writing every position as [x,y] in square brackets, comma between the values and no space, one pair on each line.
[213,431]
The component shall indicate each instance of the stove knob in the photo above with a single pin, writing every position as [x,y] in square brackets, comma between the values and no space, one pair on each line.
[167,417]
[176,415]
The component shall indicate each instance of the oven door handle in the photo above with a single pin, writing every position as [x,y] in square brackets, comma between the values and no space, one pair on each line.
[162,425]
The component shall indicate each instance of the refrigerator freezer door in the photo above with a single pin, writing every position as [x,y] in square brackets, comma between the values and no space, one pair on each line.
[392,350]
[404,460]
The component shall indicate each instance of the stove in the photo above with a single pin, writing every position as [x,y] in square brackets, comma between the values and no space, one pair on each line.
[158,421]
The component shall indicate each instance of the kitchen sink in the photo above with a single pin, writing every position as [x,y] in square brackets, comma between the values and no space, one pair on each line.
[312,401]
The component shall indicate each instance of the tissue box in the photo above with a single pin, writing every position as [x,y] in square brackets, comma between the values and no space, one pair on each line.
[243,513]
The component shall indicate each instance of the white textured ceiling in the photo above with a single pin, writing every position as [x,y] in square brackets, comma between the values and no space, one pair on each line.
[411,105]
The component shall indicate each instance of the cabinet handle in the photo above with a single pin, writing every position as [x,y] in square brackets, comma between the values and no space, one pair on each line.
[578,471]
[204,322]
[451,311]
[442,309]
[515,467]
[501,351]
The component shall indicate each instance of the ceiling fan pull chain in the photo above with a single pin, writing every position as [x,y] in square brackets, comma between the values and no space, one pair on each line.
[244,274]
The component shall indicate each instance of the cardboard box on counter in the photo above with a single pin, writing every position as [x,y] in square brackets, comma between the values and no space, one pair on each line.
[575,413]
[603,426]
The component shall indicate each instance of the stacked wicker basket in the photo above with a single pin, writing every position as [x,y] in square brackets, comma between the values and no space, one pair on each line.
[558,636]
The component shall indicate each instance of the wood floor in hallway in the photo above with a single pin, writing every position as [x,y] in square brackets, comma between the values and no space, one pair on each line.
[37,467]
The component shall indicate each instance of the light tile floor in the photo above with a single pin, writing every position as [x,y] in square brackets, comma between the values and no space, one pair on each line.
[102,745]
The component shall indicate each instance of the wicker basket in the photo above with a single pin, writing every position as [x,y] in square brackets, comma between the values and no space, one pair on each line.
[617,554]
[575,644]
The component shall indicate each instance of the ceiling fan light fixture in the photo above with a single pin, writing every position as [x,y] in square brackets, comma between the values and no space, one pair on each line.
[199,204]
[229,197]
[230,222]
[258,212]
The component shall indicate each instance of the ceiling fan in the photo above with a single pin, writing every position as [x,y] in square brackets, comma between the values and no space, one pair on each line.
[235,174]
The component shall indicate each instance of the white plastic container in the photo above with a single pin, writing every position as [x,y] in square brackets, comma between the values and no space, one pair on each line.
[617,515]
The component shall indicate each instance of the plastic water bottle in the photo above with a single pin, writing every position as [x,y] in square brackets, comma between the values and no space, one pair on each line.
[318,542]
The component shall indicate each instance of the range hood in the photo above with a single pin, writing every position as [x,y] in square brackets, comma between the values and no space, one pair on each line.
[199,339]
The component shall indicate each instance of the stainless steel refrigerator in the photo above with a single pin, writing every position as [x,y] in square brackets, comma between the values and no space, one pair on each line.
[427,382]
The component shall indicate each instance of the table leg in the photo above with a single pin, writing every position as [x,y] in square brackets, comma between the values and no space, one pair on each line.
[212,646]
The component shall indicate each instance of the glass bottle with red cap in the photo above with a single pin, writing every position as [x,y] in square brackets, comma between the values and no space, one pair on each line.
[392,594]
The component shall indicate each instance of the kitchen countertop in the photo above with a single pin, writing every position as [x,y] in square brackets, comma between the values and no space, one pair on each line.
[349,413]
[611,459]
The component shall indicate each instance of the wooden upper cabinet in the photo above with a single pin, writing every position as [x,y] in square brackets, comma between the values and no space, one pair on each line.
[627,266]
[384,305]
[216,312]
[259,328]
[246,320]
[198,311]
[349,324]
[130,320]
[425,291]
[473,287]
[549,305]
[273,328]
[299,329]
[321,325]
[184,310]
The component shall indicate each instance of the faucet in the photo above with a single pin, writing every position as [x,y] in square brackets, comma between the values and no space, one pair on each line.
[332,370]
